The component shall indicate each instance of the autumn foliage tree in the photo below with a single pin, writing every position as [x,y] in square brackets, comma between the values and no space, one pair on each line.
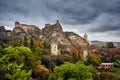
[75,54]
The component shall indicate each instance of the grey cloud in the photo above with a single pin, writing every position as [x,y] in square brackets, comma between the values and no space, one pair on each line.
[70,12]
[108,6]
[106,23]
[106,28]
[75,12]
[7,6]
[83,11]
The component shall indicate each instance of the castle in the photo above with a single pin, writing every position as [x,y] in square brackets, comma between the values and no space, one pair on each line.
[54,33]
[24,27]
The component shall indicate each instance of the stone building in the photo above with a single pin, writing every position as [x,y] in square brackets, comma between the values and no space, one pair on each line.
[25,28]
[85,54]
[86,38]
[106,65]
[54,49]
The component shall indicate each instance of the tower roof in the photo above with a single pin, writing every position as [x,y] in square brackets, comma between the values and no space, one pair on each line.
[85,34]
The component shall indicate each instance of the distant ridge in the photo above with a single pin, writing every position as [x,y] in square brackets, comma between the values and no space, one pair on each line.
[103,43]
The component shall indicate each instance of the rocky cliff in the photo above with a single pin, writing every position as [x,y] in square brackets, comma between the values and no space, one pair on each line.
[51,33]
[65,40]
[4,35]
[24,28]
[20,30]
[76,40]
[54,33]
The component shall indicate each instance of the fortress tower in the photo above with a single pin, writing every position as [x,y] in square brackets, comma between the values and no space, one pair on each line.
[54,49]
[86,38]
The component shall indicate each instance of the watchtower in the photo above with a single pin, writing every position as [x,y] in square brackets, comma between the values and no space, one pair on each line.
[85,37]
[54,49]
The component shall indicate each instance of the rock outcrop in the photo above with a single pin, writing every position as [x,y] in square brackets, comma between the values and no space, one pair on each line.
[4,35]
[50,33]
[24,28]
[76,40]
[54,33]
[21,30]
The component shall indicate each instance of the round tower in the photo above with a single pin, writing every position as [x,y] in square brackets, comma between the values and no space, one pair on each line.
[85,37]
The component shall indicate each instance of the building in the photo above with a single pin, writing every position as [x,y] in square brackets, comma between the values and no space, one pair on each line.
[24,27]
[54,49]
[86,38]
[85,54]
[106,65]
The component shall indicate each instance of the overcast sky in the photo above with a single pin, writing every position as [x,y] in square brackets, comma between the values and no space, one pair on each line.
[100,19]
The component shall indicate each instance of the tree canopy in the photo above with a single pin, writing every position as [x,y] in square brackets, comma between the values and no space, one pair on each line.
[78,71]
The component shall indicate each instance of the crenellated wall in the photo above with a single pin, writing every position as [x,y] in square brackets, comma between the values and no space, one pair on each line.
[24,27]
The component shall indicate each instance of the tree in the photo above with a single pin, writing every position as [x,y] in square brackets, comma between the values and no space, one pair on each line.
[32,44]
[75,54]
[110,45]
[70,71]
[46,45]
[107,76]
[38,53]
[17,63]
[116,72]
[117,61]
[16,72]
[1,51]
[41,72]
[46,59]
[91,60]
[25,41]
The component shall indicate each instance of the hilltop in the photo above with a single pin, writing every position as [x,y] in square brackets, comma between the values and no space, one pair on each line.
[66,41]
[34,52]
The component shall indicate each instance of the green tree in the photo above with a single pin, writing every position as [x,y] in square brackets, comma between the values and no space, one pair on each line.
[16,72]
[70,71]
[92,61]
[117,61]
[110,45]
[46,45]
[1,51]
[32,44]
[107,76]
[38,53]
[17,63]
[25,41]
[116,72]
[46,59]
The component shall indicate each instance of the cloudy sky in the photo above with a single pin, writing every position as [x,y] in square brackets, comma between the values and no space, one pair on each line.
[100,19]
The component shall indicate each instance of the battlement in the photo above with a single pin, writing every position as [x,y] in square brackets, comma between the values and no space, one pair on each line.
[25,27]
